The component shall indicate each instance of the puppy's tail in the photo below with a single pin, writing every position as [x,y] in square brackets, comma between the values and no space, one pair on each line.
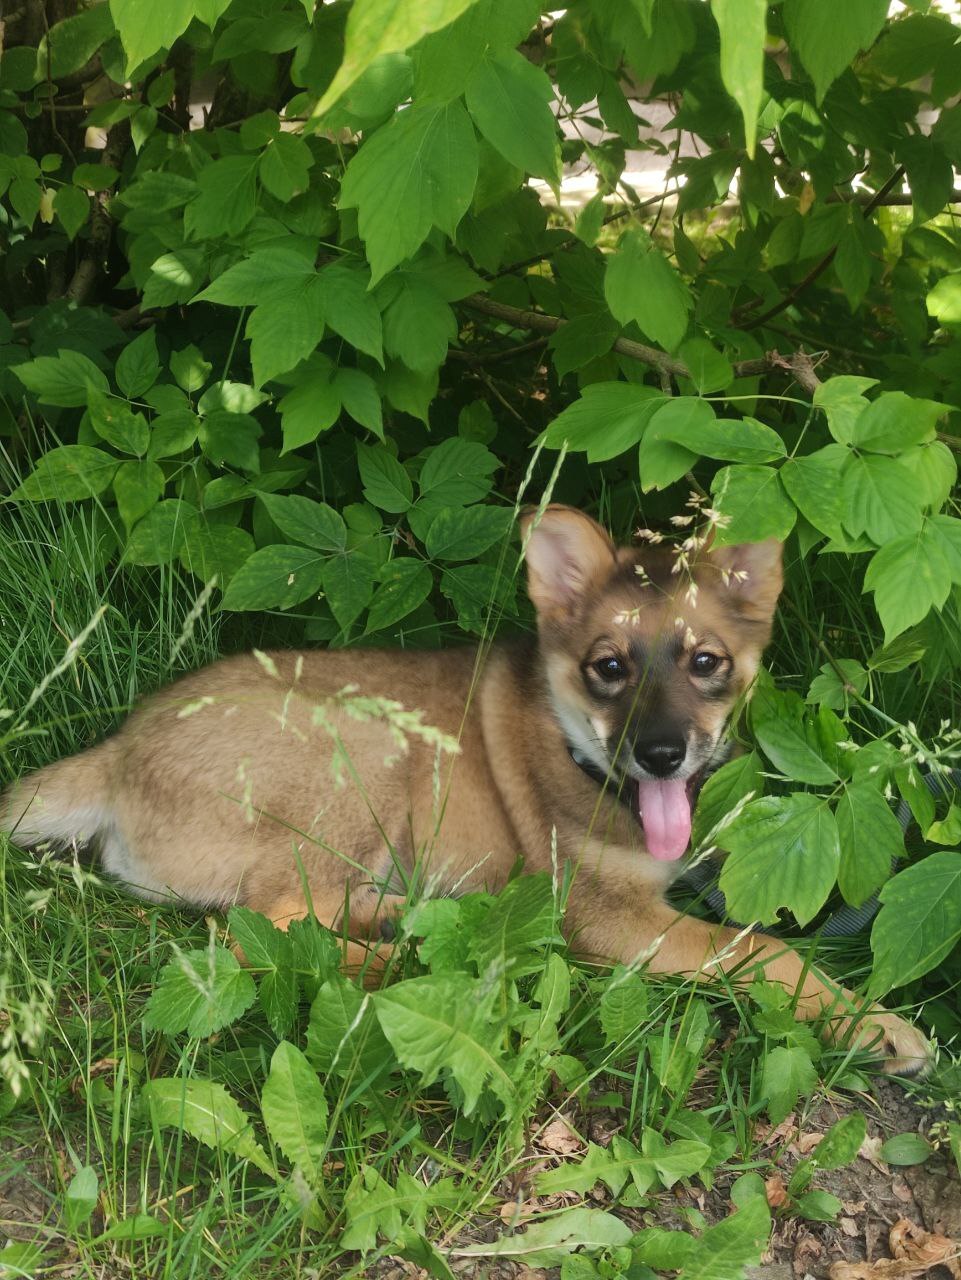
[65,803]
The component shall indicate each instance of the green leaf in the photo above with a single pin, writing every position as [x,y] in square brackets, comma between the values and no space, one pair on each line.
[285,166]
[871,837]
[276,577]
[172,433]
[710,370]
[624,1007]
[231,439]
[189,368]
[784,852]
[295,1109]
[813,483]
[843,402]
[743,28]
[139,1226]
[833,686]
[547,1242]
[731,783]
[730,440]
[199,992]
[509,99]
[841,1143]
[137,486]
[227,198]
[376,27]
[62,380]
[350,310]
[909,577]
[343,1034]
[944,300]
[464,535]
[522,917]
[69,44]
[660,459]
[457,472]
[144,27]
[905,1149]
[790,738]
[405,584]
[71,206]
[930,175]
[283,333]
[219,551]
[829,39]
[315,524]
[67,473]
[415,173]
[788,1074]
[112,420]
[418,325]
[853,262]
[754,500]
[876,499]
[445,1022]
[159,537]
[609,418]
[386,484]
[270,951]
[919,921]
[272,274]
[641,286]
[312,407]
[80,1198]
[735,1242]
[207,1112]
[139,365]
[894,421]
[348,585]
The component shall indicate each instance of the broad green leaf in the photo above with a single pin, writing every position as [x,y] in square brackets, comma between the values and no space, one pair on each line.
[360,398]
[373,1208]
[581,340]
[137,486]
[231,438]
[813,483]
[919,921]
[80,1198]
[207,1112]
[841,1143]
[743,28]
[828,39]
[944,300]
[113,421]
[905,1149]
[464,535]
[418,325]
[61,380]
[283,333]
[609,418]
[446,1022]
[876,500]
[894,421]
[376,27]
[930,175]
[843,402]
[548,1241]
[521,918]
[272,274]
[343,1034]
[784,852]
[199,992]
[710,370]
[295,1109]
[732,1244]
[789,737]
[933,472]
[661,460]
[788,1074]
[833,685]
[312,407]
[139,365]
[754,500]
[315,524]
[624,1007]
[731,783]
[386,484]
[348,585]
[620,1163]
[457,472]
[350,310]
[227,198]
[729,440]
[172,433]
[285,166]
[139,1226]
[144,27]
[640,285]
[909,577]
[218,550]
[159,537]
[68,45]
[270,952]
[71,206]
[275,577]
[413,174]
[66,473]
[509,99]
[871,837]
[405,584]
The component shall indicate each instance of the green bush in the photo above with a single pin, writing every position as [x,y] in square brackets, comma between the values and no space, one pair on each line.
[275,330]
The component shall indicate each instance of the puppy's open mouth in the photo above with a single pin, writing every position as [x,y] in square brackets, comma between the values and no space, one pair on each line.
[664,809]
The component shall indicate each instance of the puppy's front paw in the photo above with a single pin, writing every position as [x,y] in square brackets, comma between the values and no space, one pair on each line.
[904,1049]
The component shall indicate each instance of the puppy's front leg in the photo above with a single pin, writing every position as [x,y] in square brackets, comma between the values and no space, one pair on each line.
[669,942]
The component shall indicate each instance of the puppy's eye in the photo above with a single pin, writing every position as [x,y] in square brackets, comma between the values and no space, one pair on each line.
[704,663]
[610,669]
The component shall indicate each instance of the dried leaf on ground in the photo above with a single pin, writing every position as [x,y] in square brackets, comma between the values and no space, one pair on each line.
[915,1251]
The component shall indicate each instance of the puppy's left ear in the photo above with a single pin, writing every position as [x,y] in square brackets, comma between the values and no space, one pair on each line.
[752,572]
[567,553]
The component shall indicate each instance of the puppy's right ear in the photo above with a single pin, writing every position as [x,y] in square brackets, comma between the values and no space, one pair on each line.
[567,552]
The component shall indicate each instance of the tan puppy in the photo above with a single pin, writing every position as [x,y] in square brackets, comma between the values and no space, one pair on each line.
[262,782]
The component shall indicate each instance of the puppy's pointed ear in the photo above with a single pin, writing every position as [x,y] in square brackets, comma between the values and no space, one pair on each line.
[752,572]
[567,552]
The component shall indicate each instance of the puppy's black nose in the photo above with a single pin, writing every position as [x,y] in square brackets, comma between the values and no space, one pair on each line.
[660,757]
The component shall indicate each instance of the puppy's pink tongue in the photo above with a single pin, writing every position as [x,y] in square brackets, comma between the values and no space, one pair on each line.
[666,818]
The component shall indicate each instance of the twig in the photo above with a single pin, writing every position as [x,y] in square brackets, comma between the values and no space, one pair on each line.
[101,226]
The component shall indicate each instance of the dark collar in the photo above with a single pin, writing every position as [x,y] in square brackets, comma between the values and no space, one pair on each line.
[620,789]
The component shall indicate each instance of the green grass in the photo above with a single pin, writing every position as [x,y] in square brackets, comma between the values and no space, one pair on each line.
[78,961]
